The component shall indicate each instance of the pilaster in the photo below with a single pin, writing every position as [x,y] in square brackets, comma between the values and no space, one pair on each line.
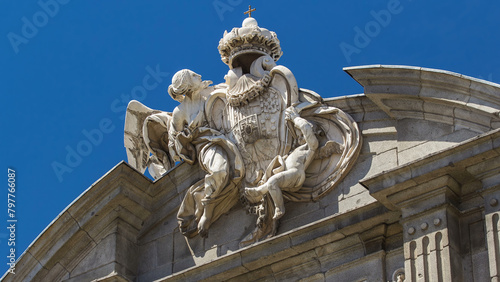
[492,227]
[431,234]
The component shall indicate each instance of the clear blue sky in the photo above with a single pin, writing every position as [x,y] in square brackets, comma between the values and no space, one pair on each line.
[69,69]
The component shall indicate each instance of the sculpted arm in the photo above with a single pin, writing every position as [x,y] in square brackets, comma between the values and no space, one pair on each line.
[178,120]
[292,114]
[307,130]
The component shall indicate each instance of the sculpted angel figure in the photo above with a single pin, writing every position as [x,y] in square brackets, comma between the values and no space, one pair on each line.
[195,142]
[188,89]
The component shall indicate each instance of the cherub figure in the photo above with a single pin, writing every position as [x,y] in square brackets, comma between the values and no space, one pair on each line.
[293,174]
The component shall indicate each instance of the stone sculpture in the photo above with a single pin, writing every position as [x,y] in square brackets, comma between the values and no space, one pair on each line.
[259,138]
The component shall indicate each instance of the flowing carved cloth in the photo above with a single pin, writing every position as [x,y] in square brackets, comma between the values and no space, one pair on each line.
[210,146]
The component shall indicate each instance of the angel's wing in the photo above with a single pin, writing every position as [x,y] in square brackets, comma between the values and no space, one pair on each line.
[155,134]
[137,151]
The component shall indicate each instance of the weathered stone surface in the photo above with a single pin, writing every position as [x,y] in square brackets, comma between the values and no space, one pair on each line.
[267,252]
[223,234]
[479,270]
[148,257]
[57,273]
[394,260]
[340,252]
[292,222]
[261,274]
[102,254]
[315,277]
[367,268]
[301,270]
[431,215]
[164,251]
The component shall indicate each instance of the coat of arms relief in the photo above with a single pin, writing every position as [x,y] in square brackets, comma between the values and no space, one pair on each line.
[259,138]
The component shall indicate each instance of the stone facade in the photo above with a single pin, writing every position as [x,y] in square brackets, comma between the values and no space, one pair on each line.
[417,198]
[421,199]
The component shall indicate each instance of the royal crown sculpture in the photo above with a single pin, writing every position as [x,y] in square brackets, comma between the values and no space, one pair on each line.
[258,137]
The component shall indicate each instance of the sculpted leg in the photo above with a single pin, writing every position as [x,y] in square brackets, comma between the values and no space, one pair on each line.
[205,220]
[277,196]
[216,180]
[287,180]
[215,163]
[198,196]
[191,210]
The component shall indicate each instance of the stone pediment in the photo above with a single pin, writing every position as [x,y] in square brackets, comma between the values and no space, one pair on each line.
[419,127]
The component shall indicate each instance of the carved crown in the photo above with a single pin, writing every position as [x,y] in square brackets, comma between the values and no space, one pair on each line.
[250,38]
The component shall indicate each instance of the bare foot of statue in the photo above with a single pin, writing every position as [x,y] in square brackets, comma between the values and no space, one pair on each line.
[203,226]
[278,213]
[205,220]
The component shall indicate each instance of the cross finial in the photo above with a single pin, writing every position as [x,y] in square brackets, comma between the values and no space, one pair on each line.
[250,10]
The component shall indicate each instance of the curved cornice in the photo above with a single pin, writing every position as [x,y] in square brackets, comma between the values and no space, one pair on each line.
[430,94]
